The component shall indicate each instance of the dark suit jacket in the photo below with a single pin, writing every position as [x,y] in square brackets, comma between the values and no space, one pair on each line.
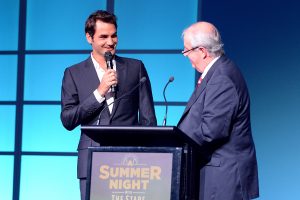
[217,117]
[80,107]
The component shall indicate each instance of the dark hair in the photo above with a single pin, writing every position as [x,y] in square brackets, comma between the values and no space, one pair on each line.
[101,15]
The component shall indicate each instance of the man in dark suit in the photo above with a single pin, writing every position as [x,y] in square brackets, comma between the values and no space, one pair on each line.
[217,118]
[86,89]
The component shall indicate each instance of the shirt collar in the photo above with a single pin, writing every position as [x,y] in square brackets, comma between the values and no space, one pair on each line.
[97,66]
[209,66]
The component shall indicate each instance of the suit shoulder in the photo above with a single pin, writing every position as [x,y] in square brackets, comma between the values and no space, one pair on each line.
[79,65]
[129,60]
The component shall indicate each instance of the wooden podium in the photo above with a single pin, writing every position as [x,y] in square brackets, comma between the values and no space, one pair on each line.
[141,163]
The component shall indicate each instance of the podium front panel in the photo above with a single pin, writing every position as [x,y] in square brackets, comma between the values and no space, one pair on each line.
[134,173]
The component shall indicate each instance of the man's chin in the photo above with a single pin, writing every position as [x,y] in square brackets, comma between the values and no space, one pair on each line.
[112,51]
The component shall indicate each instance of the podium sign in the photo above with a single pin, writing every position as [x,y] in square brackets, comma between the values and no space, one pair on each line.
[134,173]
[141,163]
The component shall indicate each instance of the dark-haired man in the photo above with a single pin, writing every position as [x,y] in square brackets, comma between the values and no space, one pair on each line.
[86,89]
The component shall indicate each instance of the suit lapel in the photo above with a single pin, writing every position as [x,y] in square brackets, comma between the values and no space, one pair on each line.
[198,91]
[196,94]
[91,79]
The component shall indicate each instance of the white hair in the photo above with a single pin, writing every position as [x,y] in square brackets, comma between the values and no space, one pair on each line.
[211,41]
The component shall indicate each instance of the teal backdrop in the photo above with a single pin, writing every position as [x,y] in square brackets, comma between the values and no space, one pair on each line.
[40,38]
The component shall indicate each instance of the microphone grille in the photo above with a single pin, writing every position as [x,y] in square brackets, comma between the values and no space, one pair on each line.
[108,55]
[171,79]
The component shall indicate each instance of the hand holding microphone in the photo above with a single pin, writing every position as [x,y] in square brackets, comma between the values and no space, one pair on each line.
[108,58]
[109,79]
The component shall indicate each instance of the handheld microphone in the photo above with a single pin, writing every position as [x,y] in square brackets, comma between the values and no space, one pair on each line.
[171,79]
[142,80]
[108,58]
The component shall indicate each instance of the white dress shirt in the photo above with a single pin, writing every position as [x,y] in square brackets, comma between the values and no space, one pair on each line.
[208,67]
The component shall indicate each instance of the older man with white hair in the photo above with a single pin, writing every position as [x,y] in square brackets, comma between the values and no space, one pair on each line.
[217,118]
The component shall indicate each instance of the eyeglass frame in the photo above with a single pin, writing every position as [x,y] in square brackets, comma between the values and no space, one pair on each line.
[192,49]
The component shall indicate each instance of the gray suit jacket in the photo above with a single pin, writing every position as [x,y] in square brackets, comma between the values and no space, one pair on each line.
[80,107]
[217,117]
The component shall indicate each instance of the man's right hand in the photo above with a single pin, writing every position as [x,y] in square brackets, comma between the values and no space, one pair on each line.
[109,78]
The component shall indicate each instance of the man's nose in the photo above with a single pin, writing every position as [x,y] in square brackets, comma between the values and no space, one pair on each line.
[110,41]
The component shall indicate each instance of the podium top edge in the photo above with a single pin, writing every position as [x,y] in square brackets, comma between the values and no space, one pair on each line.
[130,128]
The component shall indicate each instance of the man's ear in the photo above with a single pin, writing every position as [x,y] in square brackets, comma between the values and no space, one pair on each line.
[89,38]
[203,52]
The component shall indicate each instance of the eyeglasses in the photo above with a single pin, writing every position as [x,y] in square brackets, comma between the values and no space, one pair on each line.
[192,49]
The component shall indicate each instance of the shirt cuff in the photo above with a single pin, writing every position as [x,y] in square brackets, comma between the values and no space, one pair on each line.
[99,98]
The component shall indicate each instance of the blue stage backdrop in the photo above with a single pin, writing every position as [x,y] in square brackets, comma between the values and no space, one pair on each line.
[40,38]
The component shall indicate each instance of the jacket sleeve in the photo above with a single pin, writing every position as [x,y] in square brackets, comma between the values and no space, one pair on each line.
[209,120]
[73,110]
[220,105]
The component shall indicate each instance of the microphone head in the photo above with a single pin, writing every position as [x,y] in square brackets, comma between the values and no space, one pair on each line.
[143,79]
[171,79]
[108,56]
